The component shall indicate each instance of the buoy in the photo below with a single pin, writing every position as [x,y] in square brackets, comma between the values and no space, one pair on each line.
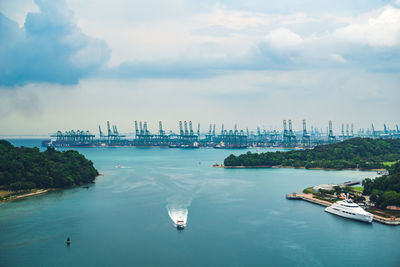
[68,241]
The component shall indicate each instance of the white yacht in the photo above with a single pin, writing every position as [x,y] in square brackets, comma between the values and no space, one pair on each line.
[348,209]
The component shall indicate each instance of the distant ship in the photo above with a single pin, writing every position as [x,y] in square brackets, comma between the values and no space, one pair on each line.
[192,145]
[56,143]
[227,146]
[348,209]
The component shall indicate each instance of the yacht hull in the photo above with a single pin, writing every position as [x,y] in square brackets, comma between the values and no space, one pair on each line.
[368,218]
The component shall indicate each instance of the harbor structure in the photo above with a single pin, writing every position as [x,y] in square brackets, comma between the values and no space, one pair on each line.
[188,137]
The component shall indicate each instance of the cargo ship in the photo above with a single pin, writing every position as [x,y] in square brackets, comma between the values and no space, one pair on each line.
[55,143]
[222,145]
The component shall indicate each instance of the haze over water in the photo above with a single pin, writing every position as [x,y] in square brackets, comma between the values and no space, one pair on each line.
[236,217]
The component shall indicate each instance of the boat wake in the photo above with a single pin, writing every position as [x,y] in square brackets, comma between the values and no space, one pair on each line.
[122,167]
[178,216]
[178,209]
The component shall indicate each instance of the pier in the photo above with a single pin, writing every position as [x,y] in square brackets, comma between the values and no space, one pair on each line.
[310,198]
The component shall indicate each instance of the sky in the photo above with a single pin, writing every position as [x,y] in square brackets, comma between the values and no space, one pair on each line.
[72,64]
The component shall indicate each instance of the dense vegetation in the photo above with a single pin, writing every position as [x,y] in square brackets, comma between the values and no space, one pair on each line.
[384,190]
[26,168]
[363,153]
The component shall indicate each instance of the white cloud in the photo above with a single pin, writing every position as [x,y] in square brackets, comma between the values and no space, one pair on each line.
[185,30]
[283,38]
[382,29]
[223,32]
[232,19]
[338,58]
[216,32]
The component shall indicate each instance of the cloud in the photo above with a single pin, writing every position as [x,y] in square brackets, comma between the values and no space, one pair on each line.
[212,41]
[338,58]
[225,40]
[381,30]
[248,98]
[21,102]
[369,41]
[49,48]
[283,38]
[233,19]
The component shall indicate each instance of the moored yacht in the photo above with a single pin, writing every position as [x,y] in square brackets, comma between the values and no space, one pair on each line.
[348,209]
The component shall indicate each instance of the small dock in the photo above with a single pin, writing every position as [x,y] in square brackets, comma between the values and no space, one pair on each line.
[293,195]
[310,198]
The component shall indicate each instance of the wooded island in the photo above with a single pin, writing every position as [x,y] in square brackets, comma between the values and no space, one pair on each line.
[23,168]
[356,153]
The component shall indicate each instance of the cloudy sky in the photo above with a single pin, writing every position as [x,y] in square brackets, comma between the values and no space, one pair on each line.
[76,64]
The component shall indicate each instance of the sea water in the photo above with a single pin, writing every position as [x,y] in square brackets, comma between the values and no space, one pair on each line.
[235,217]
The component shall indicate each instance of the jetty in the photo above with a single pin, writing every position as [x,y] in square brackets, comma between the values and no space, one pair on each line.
[293,195]
[310,198]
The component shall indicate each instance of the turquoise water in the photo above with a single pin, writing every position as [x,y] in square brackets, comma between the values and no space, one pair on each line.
[235,217]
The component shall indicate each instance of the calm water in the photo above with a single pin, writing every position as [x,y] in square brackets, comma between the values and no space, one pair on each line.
[235,217]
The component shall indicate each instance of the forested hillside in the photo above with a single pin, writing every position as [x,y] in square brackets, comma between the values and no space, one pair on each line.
[26,168]
[384,190]
[363,153]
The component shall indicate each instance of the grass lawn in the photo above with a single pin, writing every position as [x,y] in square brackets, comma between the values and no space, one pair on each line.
[358,188]
[389,163]
[308,190]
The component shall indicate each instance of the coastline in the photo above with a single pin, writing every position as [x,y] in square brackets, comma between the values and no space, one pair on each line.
[36,191]
[292,167]
[33,192]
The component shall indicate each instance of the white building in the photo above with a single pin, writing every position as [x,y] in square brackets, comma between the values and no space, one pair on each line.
[328,187]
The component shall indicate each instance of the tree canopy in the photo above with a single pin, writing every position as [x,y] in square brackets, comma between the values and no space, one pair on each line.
[384,190]
[26,168]
[363,153]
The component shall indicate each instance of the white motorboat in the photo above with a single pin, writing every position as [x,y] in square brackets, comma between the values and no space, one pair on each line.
[348,209]
[180,224]
[179,217]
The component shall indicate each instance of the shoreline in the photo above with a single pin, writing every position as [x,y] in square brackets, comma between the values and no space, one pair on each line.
[23,195]
[13,197]
[292,167]
[38,191]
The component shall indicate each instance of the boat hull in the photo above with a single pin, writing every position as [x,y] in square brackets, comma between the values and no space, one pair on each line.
[180,226]
[368,218]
